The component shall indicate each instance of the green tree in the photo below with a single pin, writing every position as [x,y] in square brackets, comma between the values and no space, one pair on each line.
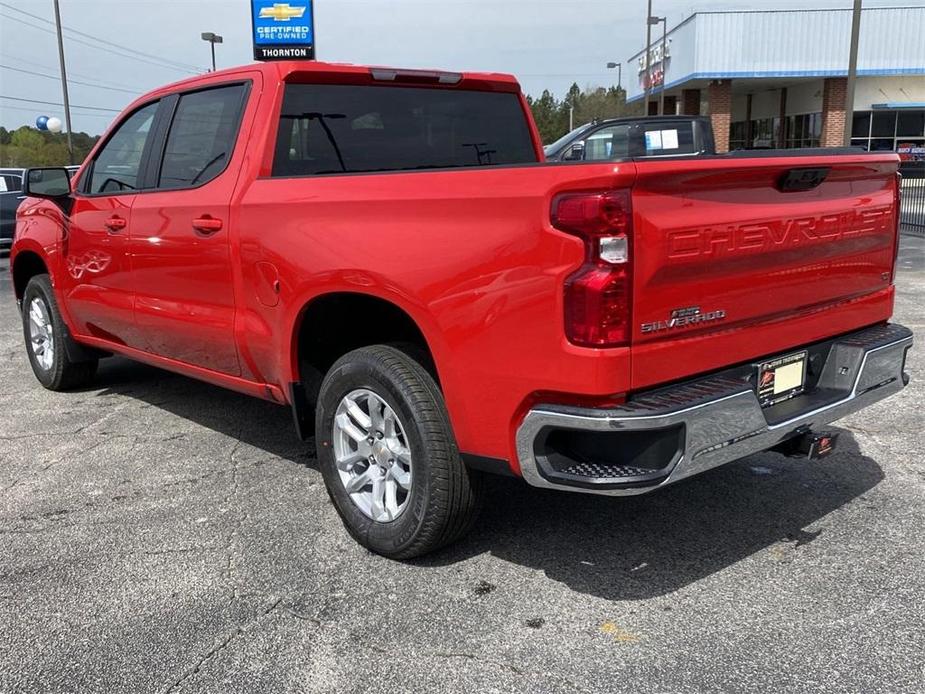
[26,146]
[548,114]
[27,138]
[592,103]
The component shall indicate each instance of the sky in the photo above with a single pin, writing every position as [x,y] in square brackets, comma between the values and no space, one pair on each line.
[547,44]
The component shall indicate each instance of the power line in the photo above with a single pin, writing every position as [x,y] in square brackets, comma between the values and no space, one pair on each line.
[131,56]
[27,109]
[56,77]
[185,66]
[58,103]
[54,68]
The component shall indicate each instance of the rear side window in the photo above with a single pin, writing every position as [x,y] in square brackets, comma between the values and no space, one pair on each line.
[343,128]
[10,183]
[202,136]
[115,169]
[669,138]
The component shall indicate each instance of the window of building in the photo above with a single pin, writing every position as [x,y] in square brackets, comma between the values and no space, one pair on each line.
[860,124]
[883,124]
[804,130]
[202,136]
[887,130]
[910,124]
[737,135]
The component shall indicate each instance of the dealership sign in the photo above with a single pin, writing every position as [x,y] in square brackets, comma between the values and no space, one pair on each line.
[659,53]
[283,30]
[652,65]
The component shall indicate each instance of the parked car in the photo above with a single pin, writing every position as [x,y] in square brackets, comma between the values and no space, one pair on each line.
[10,197]
[386,253]
[642,136]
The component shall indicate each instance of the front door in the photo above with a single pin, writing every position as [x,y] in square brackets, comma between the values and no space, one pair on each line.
[181,252]
[97,283]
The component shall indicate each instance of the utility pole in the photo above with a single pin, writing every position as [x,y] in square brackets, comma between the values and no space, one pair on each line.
[661,95]
[67,105]
[852,71]
[648,49]
[651,21]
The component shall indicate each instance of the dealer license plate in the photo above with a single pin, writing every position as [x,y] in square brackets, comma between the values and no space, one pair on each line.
[781,379]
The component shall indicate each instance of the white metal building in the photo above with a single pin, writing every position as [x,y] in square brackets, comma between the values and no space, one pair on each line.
[777,77]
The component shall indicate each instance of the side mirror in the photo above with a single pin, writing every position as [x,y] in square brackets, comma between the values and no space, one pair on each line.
[576,152]
[52,183]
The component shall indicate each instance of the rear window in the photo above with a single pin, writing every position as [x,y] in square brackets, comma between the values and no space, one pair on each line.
[328,129]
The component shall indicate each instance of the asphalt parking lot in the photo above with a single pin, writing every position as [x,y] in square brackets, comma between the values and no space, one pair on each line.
[161,535]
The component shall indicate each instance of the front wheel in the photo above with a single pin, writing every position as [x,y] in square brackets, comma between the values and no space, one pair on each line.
[389,457]
[46,337]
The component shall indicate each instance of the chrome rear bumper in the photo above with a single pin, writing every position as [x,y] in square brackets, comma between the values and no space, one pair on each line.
[713,420]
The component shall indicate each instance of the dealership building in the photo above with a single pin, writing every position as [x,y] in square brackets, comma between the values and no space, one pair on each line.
[777,78]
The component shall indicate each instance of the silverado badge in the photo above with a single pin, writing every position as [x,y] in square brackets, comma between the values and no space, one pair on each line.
[683,318]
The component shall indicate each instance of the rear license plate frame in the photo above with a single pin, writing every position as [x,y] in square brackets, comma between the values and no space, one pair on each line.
[773,372]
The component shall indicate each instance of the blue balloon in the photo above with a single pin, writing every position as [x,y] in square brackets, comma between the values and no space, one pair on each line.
[41,122]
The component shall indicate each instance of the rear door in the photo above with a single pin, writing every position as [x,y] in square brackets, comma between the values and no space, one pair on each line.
[181,252]
[728,247]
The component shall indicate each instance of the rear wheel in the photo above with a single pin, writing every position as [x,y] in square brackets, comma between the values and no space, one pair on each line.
[389,457]
[46,340]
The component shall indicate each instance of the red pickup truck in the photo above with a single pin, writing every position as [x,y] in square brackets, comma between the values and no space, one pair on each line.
[387,253]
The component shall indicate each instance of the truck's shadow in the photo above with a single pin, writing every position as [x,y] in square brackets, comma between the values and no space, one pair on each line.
[615,548]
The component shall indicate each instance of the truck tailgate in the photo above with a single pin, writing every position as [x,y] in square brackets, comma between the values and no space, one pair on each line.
[736,258]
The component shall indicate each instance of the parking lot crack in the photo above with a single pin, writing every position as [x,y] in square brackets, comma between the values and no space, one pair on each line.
[222,644]
[238,518]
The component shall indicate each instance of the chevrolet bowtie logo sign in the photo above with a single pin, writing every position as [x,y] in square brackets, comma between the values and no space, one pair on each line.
[283,30]
[282,12]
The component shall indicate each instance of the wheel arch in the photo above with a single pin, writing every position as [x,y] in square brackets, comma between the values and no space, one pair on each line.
[26,264]
[331,324]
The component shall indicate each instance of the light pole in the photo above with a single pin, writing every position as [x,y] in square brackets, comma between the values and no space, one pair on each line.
[619,66]
[661,96]
[212,39]
[852,71]
[67,105]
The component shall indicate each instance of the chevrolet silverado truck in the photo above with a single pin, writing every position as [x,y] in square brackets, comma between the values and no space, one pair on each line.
[387,253]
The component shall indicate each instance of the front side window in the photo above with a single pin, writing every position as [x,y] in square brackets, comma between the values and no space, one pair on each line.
[345,128]
[115,169]
[607,143]
[202,136]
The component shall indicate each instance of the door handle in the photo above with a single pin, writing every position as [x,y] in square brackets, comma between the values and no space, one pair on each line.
[207,224]
[115,224]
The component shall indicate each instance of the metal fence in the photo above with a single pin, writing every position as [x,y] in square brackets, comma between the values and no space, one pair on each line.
[912,212]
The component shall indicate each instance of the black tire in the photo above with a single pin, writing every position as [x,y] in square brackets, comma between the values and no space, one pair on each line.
[62,373]
[445,496]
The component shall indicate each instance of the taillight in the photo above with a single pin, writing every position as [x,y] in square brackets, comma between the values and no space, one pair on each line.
[598,299]
[897,210]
